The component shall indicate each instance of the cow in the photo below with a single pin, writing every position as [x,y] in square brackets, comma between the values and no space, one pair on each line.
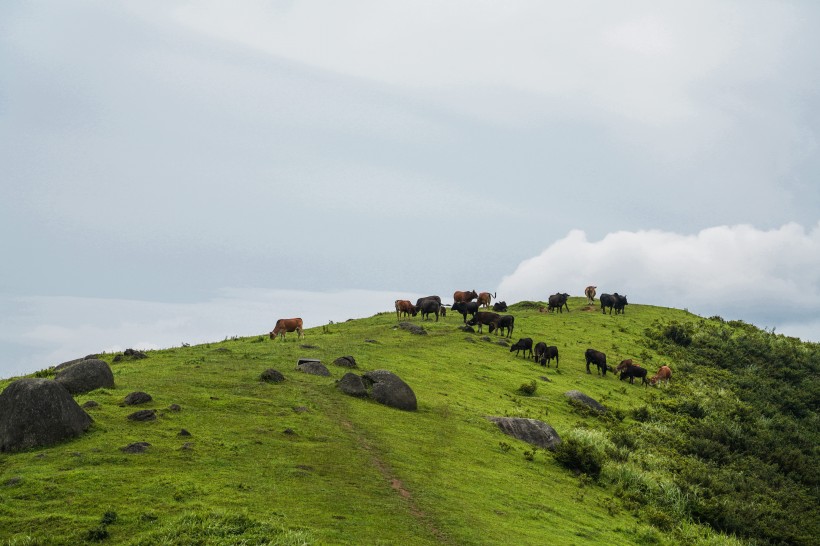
[558,300]
[632,372]
[524,344]
[620,303]
[544,353]
[429,307]
[287,325]
[608,300]
[404,308]
[598,358]
[504,322]
[664,374]
[624,365]
[484,299]
[443,312]
[484,317]
[589,292]
[420,300]
[500,307]
[461,296]
[470,307]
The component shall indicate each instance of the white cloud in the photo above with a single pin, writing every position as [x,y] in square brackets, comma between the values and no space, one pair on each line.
[770,278]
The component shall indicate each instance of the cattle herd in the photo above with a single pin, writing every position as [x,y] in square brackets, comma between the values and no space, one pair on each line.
[504,324]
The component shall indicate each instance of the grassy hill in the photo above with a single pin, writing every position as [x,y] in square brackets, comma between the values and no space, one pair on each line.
[723,455]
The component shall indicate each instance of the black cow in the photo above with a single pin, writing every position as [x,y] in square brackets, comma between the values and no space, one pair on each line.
[620,303]
[608,300]
[558,300]
[635,371]
[523,344]
[550,353]
[435,298]
[540,353]
[465,308]
[484,317]
[504,322]
[598,358]
[500,307]
[429,307]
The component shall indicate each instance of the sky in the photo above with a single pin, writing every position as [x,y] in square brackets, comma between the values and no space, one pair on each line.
[180,172]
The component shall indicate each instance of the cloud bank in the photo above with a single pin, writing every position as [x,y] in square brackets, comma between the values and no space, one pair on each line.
[769,278]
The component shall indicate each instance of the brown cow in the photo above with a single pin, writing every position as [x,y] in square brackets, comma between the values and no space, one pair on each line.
[484,299]
[625,365]
[460,296]
[589,292]
[287,325]
[405,307]
[664,374]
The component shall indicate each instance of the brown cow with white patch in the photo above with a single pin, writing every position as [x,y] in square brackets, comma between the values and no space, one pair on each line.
[460,296]
[664,374]
[405,307]
[287,325]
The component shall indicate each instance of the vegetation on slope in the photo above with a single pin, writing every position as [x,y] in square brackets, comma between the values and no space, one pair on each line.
[723,455]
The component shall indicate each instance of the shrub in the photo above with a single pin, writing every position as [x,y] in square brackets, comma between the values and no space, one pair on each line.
[584,451]
[528,388]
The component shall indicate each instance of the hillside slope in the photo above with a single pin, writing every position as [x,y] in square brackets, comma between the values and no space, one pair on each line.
[301,463]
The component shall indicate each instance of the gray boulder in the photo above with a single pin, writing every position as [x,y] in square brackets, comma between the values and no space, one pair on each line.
[86,376]
[136,398]
[413,328]
[388,388]
[346,362]
[272,376]
[352,384]
[532,431]
[64,365]
[38,412]
[312,367]
[587,401]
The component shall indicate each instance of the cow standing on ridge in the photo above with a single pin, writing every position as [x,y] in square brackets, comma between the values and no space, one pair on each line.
[287,325]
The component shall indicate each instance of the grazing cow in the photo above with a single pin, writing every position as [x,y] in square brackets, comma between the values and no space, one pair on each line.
[589,292]
[470,307]
[598,358]
[504,322]
[420,300]
[484,299]
[429,307]
[404,308]
[624,365]
[620,303]
[287,325]
[523,344]
[664,374]
[500,307]
[552,352]
[484,317]
[540,353]
[635,371]
[558,300]
[609,300]
[461,296]
[443,312]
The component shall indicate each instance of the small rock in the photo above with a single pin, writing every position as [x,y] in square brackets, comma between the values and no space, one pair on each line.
[136,398]
[187,446]
[346,362]
[136,447]
[174,407]
[312,367]
[143,415]
[272,376]
[90,404]
[183,432]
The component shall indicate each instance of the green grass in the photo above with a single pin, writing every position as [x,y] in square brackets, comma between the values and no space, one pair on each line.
[301,463]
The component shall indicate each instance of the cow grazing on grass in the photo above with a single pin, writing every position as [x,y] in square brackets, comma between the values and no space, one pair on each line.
[463,296]
[598,358]
[404,308]
[624,365]
[544,353]
[589,292]
[559,301]
[421,300]
[620,303]
[287,325]
[484,299]
[500,307]
[610,300]
[635,371]
[484,317]
[505,322]
[523,344]
[664,374]
[468,308]
[429,307]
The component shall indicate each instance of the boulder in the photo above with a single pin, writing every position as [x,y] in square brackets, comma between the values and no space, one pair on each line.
[352,384]
[413,328]
[532,431]
[346,361]
[64,365]
[86,376]
[143,415]
[137,397]
[586,400]
[272,376]
[38,412]
[312,367]
[388,388]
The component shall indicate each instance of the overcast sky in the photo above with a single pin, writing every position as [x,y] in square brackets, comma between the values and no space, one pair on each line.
[185,171]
